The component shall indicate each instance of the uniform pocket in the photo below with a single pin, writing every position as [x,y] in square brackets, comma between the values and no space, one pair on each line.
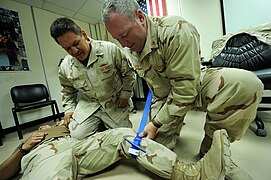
[108,77]
[160,85]
[81,84]
[106,70]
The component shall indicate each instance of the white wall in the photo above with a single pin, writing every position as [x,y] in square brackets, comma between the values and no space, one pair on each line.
[206,16]
[241,14]
[43,55]
[174,7]
[35,75]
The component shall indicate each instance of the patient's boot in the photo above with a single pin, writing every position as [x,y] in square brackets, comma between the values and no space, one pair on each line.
[212,166]
[236,173]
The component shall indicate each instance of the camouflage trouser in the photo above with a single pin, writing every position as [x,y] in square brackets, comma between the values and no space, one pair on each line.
[96,121]
[68,158]
[229,96]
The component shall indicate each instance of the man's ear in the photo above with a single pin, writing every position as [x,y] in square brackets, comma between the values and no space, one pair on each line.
[84,34]
[140,15]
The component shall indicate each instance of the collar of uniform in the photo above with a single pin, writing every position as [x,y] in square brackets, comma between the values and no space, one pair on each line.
[151,41]
[96,51]
[75,62]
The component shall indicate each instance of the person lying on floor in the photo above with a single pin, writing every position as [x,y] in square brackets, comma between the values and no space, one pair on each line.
[50,153]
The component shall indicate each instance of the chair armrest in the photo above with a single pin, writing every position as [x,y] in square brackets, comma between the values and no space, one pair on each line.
[264,73]
[206,63]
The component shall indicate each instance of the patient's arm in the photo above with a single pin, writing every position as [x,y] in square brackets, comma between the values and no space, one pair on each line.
[12,165]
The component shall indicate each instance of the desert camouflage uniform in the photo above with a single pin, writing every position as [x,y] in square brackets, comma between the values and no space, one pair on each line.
[69,158]
[108,76]
[170,64]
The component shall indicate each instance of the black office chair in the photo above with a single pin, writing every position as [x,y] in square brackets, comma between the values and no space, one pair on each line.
[28,97]
[247,52]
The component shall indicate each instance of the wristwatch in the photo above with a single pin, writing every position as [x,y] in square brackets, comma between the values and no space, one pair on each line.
[155,123]
[20,147]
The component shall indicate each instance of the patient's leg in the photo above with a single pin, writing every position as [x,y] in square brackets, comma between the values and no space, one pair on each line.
[86,128]
[103,149]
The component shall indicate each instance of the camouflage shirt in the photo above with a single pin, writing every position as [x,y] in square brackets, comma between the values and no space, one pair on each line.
[170,64]
[107,77]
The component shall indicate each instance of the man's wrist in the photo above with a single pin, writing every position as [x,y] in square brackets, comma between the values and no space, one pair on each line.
[157,125]
[23,151]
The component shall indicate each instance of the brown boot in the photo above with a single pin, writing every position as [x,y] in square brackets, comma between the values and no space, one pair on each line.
[236,173]
[212,166]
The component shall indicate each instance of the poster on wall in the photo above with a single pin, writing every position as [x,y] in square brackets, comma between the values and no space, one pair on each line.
[12,50]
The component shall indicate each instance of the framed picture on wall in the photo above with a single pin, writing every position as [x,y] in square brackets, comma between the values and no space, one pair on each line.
[12,50]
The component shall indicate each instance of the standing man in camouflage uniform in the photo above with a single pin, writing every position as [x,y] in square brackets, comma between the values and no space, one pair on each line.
[55,155]
[99,70]
[165,52]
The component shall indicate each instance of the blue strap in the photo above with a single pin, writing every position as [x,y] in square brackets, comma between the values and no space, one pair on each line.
[134,150]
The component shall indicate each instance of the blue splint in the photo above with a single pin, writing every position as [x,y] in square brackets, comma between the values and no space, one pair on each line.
[134,150]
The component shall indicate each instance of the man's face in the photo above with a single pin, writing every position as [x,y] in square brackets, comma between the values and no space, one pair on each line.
[131,34]
[76,45]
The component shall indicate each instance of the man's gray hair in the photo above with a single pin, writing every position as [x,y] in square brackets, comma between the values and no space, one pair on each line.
[124,7]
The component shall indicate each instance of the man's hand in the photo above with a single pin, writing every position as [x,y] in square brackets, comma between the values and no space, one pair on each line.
[66,120]
[149,131]
[122,103]
[34,139]
[11,165]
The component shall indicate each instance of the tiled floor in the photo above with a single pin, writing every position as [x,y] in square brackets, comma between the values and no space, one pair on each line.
[251,153]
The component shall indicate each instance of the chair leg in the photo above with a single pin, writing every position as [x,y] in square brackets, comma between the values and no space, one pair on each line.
[1,130]
[260,131]
[1,134]
[53,111]
[134,109]
[57,112]
[20,134]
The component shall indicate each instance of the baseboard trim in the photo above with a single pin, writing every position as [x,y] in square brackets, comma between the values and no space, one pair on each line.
[30,124]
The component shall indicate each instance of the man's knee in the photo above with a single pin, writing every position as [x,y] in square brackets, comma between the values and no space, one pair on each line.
[80,131]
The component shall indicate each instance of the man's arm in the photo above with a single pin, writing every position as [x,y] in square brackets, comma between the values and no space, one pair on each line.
[12,164]
[183,70]
[182,58]
[128,77]
[68,92]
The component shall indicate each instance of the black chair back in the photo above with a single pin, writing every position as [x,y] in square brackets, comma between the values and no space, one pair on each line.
[245,52]
[29,93]
[29,97]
